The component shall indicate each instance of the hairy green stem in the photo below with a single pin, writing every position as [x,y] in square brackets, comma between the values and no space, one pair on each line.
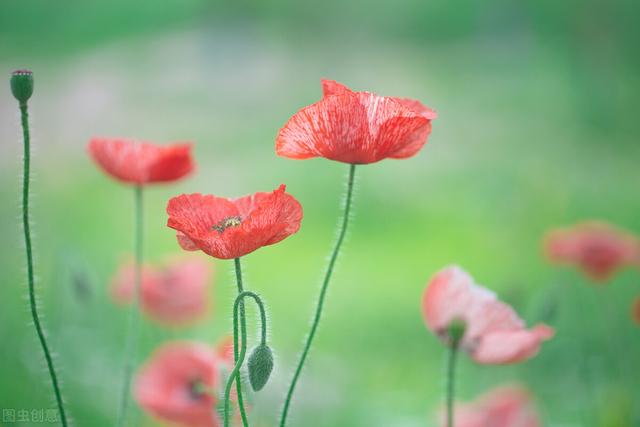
[24,115]
[243,333]
[451,378]
[133,327]
[323,293]
[239,302]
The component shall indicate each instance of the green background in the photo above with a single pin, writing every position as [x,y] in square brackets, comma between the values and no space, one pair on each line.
[537,127]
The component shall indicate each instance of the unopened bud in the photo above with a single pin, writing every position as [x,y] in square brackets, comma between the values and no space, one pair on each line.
[22,85]
[260,365]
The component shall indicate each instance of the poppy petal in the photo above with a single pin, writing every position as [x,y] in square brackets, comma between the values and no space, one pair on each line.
[335,127]
[504,347]
[139,163]
[332,87]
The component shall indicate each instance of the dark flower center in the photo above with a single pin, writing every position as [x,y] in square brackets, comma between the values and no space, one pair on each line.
[197,389]
[230,221]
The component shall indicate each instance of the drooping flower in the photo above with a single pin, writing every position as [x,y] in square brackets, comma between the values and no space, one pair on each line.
[137,162]
[635,310]
[174,293]
[599,249]
[178,383]
[356,127]
[493,334]
[231,228]
[504,406]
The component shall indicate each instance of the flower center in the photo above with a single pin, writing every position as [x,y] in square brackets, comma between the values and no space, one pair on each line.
[230,221]
[197,389]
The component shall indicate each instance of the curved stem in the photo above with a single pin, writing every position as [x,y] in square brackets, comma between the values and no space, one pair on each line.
[451,374]
[24,116]
[243,333]
[133,327]
[323,292]
[240,359]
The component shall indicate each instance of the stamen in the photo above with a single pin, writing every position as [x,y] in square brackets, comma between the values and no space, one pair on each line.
[230,221]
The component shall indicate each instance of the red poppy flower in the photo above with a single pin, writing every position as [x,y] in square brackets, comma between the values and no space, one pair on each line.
[175,384]
[141,163]
[597,248]
[355,127]
[226,228]
[504,406]
[494,333]
[175,293]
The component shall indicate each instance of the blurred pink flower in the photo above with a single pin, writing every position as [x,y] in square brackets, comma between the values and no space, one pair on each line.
[597,248]
[505,406]
[494,333]
[224,350]
[176,384]
[175,293]
[137,162]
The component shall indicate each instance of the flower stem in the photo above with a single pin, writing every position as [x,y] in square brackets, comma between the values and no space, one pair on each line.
[451,374]
[323,292]
[24,115]
[133,327]
[243,350]
[243,333]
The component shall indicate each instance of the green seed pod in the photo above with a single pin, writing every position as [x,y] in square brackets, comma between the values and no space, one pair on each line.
[22,85]
[260,366]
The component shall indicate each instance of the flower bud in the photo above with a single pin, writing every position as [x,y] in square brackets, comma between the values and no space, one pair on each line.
[260,365]
[456,330]
[22,85]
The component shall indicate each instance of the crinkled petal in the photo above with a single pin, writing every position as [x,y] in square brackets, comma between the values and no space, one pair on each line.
[418,107]
[335,128]
[504,347]
[264,219]
[195,215]
[332,87]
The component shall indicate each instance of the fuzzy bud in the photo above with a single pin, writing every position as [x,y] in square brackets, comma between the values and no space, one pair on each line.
[22,85]
[260,365]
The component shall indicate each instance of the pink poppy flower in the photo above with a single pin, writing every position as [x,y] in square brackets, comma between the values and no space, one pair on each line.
[597,248]
[494,333]
[505,406]
[175,384]
[136,162]
[175,293]
[355,127]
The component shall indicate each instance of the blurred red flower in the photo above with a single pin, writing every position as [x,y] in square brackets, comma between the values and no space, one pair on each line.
[226,228]
[224,350]
[141,163]
[635,310]
[505,406]
[494,333]
[176,384]
[355,127]
[175,293]
[597,248]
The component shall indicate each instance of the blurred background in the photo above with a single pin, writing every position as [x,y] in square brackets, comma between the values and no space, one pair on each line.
[537,127]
